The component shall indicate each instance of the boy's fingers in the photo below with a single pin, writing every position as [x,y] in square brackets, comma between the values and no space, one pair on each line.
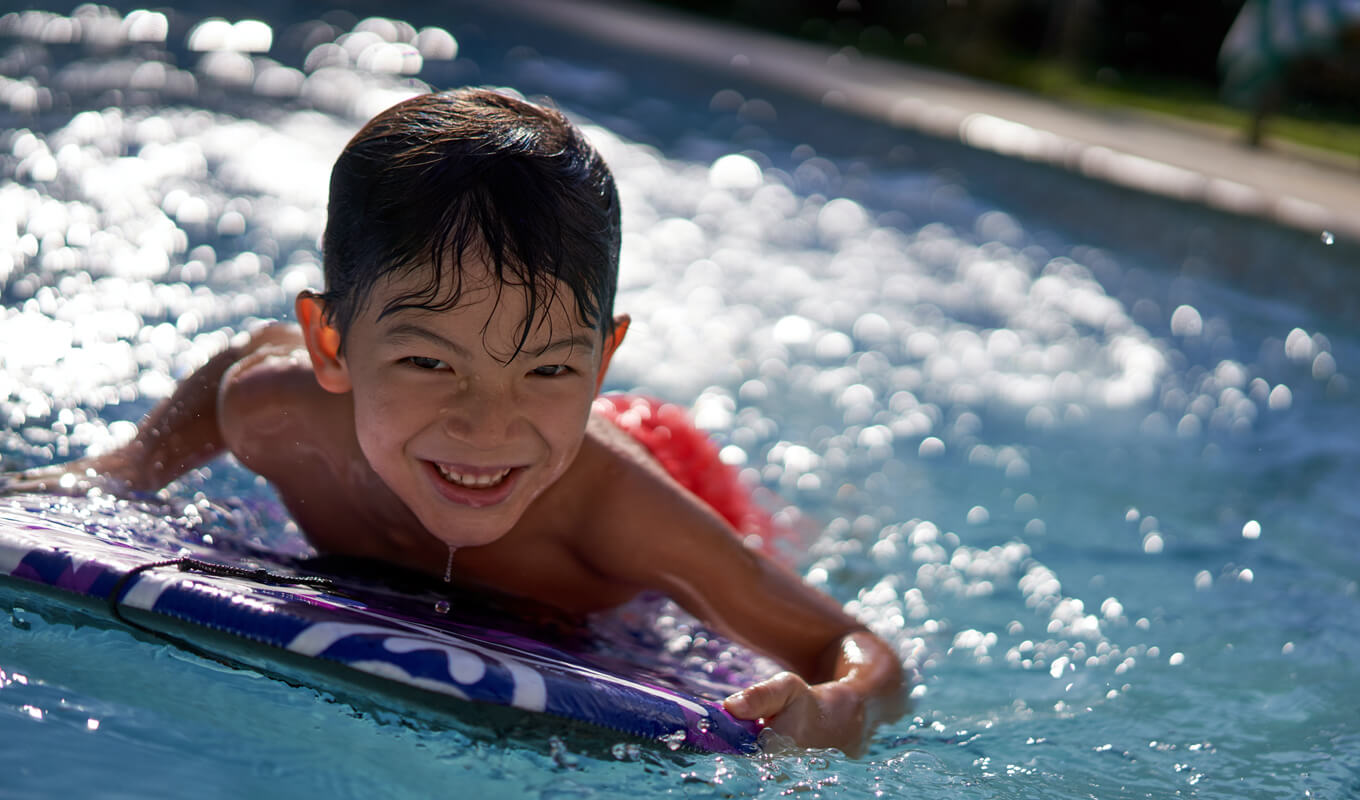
[767,698]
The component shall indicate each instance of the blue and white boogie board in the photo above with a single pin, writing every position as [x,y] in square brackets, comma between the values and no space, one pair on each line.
[421,645]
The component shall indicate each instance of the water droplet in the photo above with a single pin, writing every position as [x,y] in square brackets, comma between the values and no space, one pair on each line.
[442,607]
[561,755]
[1328,238]
[673,741]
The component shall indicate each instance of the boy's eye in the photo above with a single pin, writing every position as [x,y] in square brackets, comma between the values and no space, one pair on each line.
[551,370]
[424,362]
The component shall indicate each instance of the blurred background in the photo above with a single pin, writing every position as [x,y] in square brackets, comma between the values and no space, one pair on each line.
[1294,61]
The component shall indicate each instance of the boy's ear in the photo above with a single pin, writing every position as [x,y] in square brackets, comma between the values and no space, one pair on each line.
[611,343]
[323,343]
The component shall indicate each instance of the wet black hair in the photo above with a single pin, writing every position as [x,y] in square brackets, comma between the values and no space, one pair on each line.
[473,170]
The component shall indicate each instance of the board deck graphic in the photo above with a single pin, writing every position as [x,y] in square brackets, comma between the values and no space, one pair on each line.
[450,653]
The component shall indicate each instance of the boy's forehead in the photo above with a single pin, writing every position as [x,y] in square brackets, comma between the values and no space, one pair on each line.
[475,294]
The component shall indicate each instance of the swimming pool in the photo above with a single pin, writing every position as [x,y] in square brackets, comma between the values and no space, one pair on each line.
[1086,459]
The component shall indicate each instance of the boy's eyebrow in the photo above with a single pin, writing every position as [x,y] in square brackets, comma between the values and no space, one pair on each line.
[406,330]
[583,339]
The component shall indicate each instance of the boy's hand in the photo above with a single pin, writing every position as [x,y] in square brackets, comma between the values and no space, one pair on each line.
[819,715]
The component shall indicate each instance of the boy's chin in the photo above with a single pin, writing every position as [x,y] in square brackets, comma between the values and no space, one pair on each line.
[457,531]
[463,527]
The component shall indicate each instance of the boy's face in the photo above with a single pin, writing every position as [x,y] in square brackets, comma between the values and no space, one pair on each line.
[466,439]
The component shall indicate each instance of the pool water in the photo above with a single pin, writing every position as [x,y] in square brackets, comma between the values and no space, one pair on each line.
[1086,459]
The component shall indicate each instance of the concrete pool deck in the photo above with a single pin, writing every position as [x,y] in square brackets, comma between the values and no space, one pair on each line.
[1309,190]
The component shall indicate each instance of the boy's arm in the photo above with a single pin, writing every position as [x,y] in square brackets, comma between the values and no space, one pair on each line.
[844,680]
[182,432]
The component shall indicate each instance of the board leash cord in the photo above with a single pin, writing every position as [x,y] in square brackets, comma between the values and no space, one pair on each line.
[190,564]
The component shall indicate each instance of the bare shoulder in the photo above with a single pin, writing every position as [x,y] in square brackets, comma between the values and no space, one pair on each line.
[270,376]
[608,447]
[637,519]
[270,396]
[622,472]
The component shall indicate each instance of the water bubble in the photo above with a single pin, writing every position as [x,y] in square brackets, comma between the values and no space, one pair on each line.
[1186,321]
[1111,608]
[389,58]
[442,607]
[145,26]
[436,44]
[931,447]
[674,741]
[210,34]
[561,755]
[383,27]
[833,346]
[841,218]
[1280,398]
[1324,366]
[1299,346]
[734,171]
[793,330]
[1252,530]
[1328,238]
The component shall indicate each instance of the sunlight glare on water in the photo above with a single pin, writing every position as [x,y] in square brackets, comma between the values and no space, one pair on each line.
[1100,502]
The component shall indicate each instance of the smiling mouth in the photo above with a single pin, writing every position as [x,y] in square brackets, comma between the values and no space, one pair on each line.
[486,480]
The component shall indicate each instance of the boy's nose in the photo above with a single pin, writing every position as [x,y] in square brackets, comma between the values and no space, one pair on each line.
[479,414]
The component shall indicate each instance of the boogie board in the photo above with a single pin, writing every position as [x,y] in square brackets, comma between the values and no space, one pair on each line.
[451,654]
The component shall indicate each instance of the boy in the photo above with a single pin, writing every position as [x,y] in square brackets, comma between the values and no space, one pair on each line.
[433,407]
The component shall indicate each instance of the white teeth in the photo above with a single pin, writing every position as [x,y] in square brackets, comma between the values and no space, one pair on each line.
[472,481]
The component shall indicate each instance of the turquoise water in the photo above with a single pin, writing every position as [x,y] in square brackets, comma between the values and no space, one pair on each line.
[1085,459]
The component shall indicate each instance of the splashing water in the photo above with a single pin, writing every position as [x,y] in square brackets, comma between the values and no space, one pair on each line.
[1098,496]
